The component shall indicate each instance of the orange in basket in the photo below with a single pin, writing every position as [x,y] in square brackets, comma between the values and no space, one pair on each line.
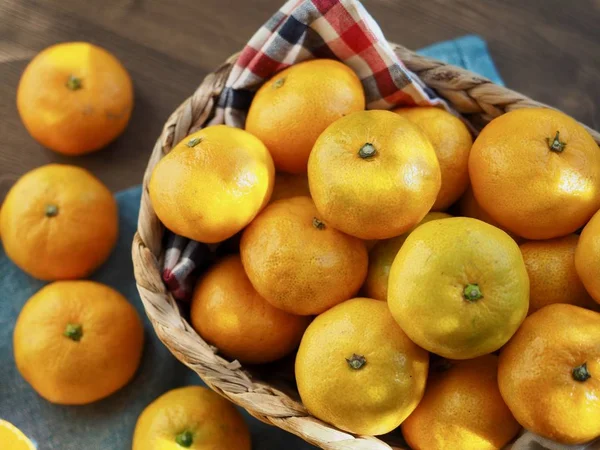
[212,184]
[298,262]
[381,257]
[373,175]
[587,257]
[357,370]
[292,109]
[229,313]
[462,409]
[536,171]
[452,142]
[549,373]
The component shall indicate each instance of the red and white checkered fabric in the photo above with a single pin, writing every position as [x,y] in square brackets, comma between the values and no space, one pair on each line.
[307,29]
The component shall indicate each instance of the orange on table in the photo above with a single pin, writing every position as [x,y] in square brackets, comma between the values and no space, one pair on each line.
[373,174]
[549,373]
[382,256]
[229,313]
[12,438]
[357,370]
[191,417]
[298,262]
[536,171]
[552,276]
[212,184]
[469,207]
[288,185]
[76,342]
[75,98]
[462,409]
[59,222]
[291,110]
[587,257]
[452,142]
[458,287]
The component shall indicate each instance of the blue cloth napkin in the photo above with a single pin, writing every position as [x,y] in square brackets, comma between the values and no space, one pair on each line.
[109,424]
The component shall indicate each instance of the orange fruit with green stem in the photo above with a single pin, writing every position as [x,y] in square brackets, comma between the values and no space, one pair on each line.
[536,171]
[212,183]
[75,98]
[298,262]
[549,374]
[191,417]
[291,110]
[59,222]
[76,342]
[373,175]
[357,370]
[458,287]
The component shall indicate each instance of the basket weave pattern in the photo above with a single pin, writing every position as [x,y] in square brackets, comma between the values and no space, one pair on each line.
[476,97]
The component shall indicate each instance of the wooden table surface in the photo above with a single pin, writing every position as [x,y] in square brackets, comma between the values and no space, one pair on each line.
[547,49]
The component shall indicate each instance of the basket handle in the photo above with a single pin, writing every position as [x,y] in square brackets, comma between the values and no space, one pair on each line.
[470,94]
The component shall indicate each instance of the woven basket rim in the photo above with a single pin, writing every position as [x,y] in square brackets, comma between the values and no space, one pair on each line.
[472,95]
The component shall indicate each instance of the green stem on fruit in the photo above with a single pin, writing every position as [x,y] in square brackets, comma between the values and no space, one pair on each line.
[472,292]
[367,151]
[580,373]
[555,144]
[185,439]
[356,362]
[74,332]
[193,142]
[51,210]
[278,83]
[318,224]
[74,83]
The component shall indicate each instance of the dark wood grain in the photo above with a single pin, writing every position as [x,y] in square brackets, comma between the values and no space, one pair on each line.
[547,49]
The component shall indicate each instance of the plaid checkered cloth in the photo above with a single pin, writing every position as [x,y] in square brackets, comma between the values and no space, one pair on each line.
[302,30]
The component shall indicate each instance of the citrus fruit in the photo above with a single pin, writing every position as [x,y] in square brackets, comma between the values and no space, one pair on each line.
[229,313]
[298,262]
[75,98]
[291,110]
[458,287]
[587,257]
[536,171]
[549,373]
[462,409]
[373,174]
[288,185]
[191,417]
[469,207]
[59,222]
[12,438]
[357,370]
[76,342]
[382,256]
[212,184]
[452,143]
[552,276]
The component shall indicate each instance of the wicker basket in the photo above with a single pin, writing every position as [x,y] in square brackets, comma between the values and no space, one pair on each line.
[273,400]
